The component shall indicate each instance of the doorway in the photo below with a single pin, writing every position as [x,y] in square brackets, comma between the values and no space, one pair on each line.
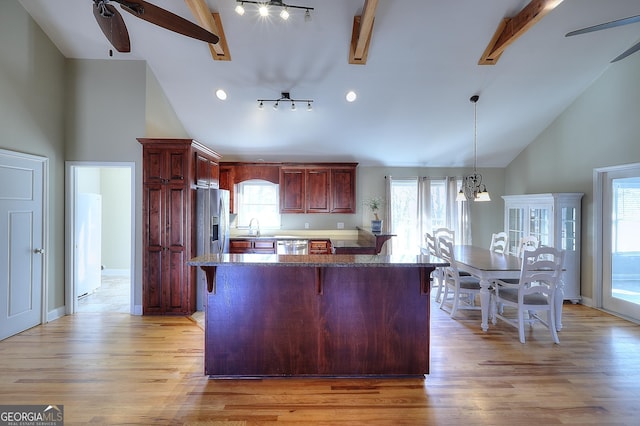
[620,201]
[100,237]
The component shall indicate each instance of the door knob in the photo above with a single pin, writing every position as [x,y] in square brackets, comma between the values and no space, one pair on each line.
[39,251]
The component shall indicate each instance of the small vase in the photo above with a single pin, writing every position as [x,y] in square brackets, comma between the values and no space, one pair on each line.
[376,226]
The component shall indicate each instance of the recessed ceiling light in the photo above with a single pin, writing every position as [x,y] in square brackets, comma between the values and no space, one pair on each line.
[221,94]
[351,96]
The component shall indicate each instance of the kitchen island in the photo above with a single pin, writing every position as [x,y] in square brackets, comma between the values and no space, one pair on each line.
[316,315]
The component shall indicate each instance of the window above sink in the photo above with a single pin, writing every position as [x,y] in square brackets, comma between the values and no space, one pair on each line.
[259,200]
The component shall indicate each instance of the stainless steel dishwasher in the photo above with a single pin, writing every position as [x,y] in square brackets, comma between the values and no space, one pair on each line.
[292,247]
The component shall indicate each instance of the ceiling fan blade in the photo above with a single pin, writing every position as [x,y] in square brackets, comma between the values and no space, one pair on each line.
[629,51]
[165,19]
[612,24]
[112,25]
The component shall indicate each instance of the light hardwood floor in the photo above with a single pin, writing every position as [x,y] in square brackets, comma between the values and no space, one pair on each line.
[122,369]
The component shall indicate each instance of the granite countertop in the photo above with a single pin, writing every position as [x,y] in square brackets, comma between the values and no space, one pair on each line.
[318,260]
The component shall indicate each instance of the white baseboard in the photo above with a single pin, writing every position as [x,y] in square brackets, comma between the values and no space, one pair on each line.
[56,314]
[586,301]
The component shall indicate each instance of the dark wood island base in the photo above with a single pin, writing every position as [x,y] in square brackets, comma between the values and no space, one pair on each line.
[317,315]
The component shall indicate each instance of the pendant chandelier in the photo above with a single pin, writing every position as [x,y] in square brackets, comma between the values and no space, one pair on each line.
[472,187]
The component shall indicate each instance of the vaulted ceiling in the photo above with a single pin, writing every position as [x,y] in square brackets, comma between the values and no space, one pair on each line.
[414,64]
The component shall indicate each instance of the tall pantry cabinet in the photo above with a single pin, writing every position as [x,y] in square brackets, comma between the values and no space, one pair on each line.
[172,170]
[554,219]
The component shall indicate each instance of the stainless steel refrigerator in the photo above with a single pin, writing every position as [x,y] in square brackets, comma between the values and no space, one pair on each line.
[212,221]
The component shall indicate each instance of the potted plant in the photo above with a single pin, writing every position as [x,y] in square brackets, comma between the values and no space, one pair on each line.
[375,204]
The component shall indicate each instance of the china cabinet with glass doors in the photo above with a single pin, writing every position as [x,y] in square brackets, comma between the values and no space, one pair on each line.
[554,219]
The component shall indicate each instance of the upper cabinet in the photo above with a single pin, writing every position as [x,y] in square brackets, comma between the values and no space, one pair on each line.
[207,170]
[343,189]
[318,188]
[304,188]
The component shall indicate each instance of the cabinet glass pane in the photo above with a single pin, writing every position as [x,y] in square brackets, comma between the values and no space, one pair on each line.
[515,228]
[568,229]
[539,225]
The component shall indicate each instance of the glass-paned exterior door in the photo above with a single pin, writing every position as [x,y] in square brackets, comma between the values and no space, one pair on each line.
[621,243]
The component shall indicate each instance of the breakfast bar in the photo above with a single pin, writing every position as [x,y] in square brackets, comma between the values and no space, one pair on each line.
[316,315]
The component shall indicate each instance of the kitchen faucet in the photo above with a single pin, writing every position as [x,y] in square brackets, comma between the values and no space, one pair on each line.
[254,229]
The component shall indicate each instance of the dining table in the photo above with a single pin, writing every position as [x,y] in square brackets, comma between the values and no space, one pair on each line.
[487,266]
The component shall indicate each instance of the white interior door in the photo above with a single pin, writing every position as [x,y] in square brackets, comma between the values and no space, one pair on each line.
[621,242]
[22,241]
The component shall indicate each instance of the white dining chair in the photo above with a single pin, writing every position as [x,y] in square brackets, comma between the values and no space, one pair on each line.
[527,243]
[462,288]
[446,233]
[437,274]
[499,242]
[533,293]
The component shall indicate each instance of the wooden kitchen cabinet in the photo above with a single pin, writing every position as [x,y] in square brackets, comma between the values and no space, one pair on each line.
[244,246]
[226,181]
[172,168]
[292,190]
[320,247]
[343,190]
[207,171]
[318,188]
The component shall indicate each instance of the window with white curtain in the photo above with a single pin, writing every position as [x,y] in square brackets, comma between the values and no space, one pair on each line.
[420,205]
[403,208]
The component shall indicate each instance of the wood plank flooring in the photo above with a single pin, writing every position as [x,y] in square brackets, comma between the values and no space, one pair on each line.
[121,369]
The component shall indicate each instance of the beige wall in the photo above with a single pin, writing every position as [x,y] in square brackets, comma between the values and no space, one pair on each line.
[32,111]
[74,110]
[106,102]
[601,128]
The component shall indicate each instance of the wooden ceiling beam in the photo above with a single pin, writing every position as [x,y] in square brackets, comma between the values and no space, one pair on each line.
[211,22]
[361,33]
[510,29]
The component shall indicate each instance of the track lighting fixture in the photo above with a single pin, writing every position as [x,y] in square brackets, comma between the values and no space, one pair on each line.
[265,6]
[285,97]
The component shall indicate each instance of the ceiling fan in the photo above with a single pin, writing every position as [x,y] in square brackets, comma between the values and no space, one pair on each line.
[114,28]
[612,24]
